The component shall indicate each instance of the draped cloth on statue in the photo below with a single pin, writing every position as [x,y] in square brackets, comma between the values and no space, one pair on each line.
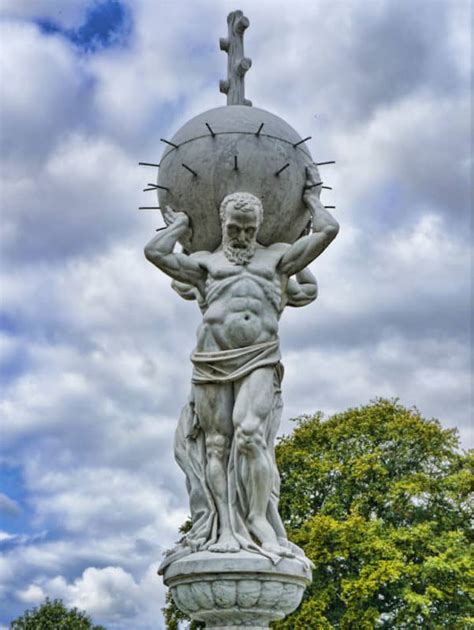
[227,366]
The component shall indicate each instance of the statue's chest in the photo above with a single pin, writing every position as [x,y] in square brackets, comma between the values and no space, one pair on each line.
[243,280]
[249,284]
[259,268]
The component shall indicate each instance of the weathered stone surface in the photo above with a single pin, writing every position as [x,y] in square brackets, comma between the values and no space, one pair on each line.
[225,436]
[225,592]
[203,594]
[248,593]
[258,159]
[239,190]
[243,589]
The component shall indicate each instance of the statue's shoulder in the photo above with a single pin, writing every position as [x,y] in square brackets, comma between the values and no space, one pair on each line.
[201,256]
[278,248]
[269,256]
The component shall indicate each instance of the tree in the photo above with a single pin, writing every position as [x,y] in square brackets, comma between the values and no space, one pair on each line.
[53,615]
[381,501]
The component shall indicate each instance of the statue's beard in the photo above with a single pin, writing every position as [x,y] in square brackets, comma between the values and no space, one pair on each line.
[238,255]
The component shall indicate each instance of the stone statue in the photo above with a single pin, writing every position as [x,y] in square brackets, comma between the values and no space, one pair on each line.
[239,190]
[225,436]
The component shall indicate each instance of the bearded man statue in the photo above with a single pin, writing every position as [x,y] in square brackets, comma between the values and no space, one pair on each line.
[225,437]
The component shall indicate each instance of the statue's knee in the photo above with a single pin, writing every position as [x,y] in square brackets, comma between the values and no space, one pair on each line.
[249,440]
[217,445]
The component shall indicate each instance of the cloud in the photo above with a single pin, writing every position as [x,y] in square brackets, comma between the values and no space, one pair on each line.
[424,168]
[95,345]
[103,500]
[68,15]
[6,536]
[101,590]
[109,594]
[33,594]
[114,595]
[8,506]
[39,106]
[80,200]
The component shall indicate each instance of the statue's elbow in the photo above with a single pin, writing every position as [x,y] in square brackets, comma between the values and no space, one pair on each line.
[151,253]
[148,252]
[332,230]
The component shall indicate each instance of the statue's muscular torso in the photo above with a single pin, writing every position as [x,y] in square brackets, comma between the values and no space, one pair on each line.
[243,303]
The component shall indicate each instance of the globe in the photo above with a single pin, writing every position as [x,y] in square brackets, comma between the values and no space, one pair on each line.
[230,149]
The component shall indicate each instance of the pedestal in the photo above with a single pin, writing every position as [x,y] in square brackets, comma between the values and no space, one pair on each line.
[229,591]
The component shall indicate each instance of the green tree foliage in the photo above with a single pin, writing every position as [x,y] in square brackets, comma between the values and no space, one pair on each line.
[381,501]
[173,617]
[53,615]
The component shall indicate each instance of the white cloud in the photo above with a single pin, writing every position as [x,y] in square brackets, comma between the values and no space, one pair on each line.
[419,146]
[96,345]
[100,591]
[109,594]
[6,536]
[8,506]
[103,500]
[67,14]
[33,594]
[42,89]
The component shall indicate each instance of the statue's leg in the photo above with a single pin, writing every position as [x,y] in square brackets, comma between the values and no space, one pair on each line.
[252,409]
[213,404]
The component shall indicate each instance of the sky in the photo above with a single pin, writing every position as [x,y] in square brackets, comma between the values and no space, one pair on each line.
[95,345]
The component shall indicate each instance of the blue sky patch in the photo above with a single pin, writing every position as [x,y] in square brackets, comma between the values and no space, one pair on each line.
[107,24]
[13,520]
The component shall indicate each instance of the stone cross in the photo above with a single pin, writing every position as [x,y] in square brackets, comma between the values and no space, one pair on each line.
[237,63]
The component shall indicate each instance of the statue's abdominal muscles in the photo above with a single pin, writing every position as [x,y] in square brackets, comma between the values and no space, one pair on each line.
[241,315]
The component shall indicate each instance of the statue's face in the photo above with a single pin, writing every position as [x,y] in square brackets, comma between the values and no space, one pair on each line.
[239,234]
[240,228]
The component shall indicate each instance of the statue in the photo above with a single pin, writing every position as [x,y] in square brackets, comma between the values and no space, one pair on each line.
[239,190]
[225,436]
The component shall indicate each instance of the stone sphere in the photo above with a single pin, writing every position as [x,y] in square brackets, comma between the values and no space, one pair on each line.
[232,155]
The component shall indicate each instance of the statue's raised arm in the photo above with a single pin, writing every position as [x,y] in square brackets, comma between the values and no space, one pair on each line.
[324,229]
[160,251]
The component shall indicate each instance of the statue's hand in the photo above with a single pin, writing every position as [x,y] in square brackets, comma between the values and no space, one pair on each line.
[180,222]
[177,219]
[312,174]
[312,191]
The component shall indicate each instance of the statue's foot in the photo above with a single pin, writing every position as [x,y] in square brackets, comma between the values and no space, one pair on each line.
[225,544]
[263,531]
[277,549]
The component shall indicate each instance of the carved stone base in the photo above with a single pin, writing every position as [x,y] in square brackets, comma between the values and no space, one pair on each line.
[234,590]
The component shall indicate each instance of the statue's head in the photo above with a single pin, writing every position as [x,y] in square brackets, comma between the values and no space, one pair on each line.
[241,216]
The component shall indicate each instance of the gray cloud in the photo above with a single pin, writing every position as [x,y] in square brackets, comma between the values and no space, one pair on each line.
[68,15]
[103,343]
[9,506]
[43,95]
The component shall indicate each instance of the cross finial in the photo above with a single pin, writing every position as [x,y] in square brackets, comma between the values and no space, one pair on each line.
[237,64]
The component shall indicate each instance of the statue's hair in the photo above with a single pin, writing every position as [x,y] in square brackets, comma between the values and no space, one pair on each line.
[244,202]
